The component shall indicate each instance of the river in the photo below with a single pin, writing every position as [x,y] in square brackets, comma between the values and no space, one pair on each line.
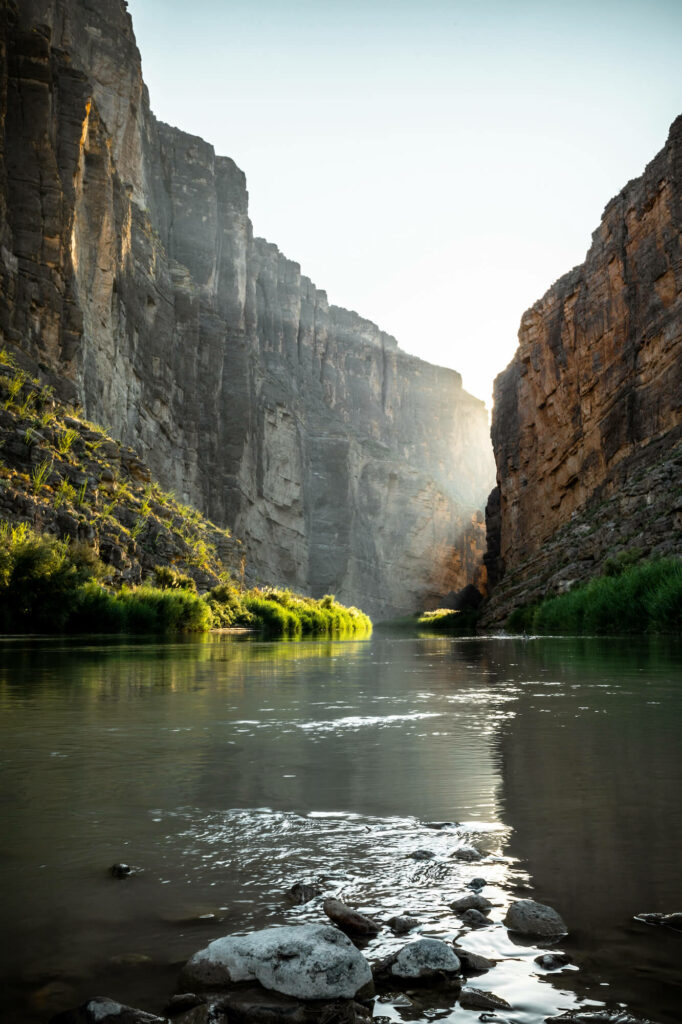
[226,770]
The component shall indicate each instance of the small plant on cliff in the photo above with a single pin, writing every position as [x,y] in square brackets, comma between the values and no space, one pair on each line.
[14,386]
[65,492]
[167,578]
[65,440]
[40,474]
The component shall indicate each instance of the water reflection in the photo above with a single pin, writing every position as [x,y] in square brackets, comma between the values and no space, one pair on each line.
[229,770]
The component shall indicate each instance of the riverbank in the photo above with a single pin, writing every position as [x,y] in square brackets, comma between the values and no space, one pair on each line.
[631,596]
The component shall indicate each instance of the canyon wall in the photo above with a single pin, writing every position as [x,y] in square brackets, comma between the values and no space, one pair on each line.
[131,278]
[587,418]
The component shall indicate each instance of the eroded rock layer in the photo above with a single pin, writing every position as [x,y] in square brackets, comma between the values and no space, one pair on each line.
[131,277]
[587,417]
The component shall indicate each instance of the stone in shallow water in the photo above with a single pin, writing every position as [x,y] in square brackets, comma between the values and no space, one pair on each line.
[552,961]
[673,920]
[403,924]
[473,962]
[472,902]
[530,918]
[430,961]
[350,920]
[469,854]
[601,1015]
[255,1005]
[101,1010]
[474,918]
[477,999]
[303,892]
[304,961]
[421,855]
[477,883]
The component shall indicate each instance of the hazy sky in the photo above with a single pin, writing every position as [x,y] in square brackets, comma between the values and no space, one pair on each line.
[432,164]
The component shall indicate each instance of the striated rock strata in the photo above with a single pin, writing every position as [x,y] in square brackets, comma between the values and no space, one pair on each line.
[587,418]
[130,276]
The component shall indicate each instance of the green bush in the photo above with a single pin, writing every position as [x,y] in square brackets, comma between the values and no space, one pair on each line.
[166,578]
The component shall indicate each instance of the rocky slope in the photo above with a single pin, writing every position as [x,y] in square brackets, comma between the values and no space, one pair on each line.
[132,281]
[587,419]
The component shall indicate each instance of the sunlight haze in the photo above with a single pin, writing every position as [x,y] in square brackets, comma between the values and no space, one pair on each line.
[434,166]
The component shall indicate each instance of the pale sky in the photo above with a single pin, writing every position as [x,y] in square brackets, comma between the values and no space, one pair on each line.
[434,165]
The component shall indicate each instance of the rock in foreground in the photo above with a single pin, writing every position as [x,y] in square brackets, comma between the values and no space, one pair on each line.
[101,1010]
[535,919]
[426,960]
[304,961]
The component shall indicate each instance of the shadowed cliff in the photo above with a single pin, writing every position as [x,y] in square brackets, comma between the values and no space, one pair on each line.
[131,279]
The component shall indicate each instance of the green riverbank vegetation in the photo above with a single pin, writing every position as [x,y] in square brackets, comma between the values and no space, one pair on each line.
[48,585]
[645,597]
[446,620]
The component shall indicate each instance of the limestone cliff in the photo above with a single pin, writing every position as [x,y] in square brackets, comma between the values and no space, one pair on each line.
[587,418]
[130,276]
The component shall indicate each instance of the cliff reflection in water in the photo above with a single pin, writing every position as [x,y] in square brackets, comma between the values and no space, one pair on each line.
[592,773]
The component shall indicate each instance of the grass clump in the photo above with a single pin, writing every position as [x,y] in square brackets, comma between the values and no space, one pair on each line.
[448,620]
[645,597]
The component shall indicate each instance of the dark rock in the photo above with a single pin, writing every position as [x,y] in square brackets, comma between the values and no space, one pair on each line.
[122,870]
[673,920]
[600,1015]
[477,999]
[256,1005]
[402,925]
[477,883]
[474,919]
[439,825]
[530,918]
[473,902]
[183,1002]
[552,961]
[472,963]
[101,1010]
[421,855]
[468,854]
[303,892]
[350,920]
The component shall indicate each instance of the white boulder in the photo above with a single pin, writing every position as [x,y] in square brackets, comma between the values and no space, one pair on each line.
[304,961]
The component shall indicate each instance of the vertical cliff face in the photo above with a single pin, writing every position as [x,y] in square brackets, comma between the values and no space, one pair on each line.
[587,417]
[131,276]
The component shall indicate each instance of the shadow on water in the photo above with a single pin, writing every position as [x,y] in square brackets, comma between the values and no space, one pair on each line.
[592,775]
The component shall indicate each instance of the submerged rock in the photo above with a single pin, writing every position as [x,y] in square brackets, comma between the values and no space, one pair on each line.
[600,1015]
[122,870]
[421,855]
[665,920]
[401,925]
[102,1010]
[530,918]
[425,960]
[474,918]
[258,1006]
[472,902]
[350,920]
[304,961]
[552,961]
[473,963]
[477,883]
[467,853]
[478,999]
[303,892]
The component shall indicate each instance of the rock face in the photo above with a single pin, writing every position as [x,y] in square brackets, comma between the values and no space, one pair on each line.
[587,420]
[130,275]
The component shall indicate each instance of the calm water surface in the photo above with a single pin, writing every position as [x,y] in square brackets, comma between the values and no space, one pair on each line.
[228,770]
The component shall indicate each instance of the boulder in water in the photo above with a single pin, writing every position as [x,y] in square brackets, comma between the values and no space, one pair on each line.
[303,961]
[530,918]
